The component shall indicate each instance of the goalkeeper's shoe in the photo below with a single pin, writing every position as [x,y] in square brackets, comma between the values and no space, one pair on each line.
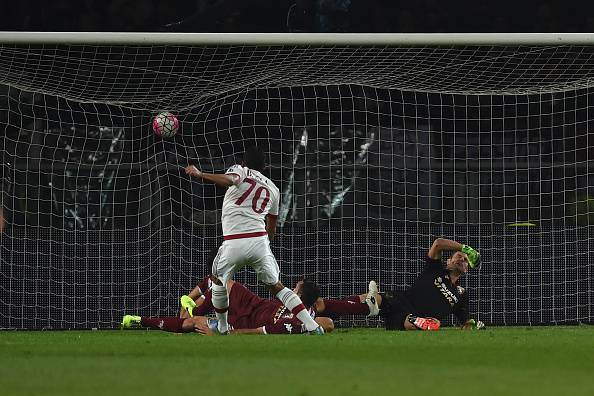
[424,323]
[371,299]
[188,304]
[131,322]
[474,257]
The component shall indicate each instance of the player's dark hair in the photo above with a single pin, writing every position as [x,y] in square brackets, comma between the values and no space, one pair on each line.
[254,158]
[310,292]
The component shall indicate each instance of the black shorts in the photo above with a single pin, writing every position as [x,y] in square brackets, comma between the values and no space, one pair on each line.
[394,310]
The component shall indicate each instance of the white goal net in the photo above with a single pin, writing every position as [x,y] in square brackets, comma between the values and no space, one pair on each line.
[377,150]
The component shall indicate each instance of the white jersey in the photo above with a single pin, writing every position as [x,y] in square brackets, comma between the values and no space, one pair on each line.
[247,203]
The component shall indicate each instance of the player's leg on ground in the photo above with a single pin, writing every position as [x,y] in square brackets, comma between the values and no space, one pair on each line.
[395,312]
[361,304]
[172,324]
[294,303]
[348,306]
[378,298]
[165,323]
[362,297]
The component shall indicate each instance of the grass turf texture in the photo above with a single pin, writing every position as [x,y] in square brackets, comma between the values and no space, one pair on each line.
[499,361]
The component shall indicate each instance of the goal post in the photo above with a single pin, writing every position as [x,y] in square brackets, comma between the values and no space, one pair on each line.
[379,143]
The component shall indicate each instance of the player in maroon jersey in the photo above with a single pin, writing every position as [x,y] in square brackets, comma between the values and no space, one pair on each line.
[322,308]
[248,313]
[251,314]
[247,316]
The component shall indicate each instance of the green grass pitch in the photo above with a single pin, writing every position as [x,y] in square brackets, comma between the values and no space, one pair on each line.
[499,361]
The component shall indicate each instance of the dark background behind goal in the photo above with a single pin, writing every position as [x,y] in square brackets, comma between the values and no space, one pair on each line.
[298,16]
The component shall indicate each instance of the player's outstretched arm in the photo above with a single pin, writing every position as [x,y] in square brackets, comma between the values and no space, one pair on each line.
[220,179]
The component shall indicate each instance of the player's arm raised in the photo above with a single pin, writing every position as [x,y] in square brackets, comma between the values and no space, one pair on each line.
[441,244]
[220,179]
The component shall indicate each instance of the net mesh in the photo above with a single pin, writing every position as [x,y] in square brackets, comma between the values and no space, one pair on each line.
[376,151]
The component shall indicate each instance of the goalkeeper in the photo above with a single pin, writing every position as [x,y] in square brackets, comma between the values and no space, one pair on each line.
[435,293]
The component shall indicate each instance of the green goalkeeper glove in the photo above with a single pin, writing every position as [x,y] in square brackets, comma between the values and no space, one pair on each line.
[472,324]
[474,257]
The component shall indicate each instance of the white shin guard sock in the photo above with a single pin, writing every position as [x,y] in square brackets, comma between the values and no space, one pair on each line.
[294,303]
[220,302]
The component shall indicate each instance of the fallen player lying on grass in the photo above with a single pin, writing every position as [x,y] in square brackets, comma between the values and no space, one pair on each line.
[248,314]
[433,296]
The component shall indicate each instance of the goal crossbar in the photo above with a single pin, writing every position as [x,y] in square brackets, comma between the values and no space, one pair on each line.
[298,39]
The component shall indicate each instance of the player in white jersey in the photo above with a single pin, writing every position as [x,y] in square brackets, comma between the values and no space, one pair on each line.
[250,210]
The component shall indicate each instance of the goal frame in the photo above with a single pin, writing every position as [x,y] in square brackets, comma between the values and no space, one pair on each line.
[319,39]
[503,312]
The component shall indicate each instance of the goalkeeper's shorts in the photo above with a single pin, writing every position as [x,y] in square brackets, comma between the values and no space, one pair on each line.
[394,309]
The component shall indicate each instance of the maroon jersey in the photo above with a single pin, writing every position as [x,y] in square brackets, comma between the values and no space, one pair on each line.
[249,311]
[272,315]
[282,320]
[243,307]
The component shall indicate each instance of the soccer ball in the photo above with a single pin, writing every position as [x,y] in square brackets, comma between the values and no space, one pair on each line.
[165,124]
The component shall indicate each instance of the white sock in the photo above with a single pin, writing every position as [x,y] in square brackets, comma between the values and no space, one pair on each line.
[220,302]
[294,303]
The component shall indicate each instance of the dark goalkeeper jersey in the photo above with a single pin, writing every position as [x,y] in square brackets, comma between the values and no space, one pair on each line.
[434,295]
